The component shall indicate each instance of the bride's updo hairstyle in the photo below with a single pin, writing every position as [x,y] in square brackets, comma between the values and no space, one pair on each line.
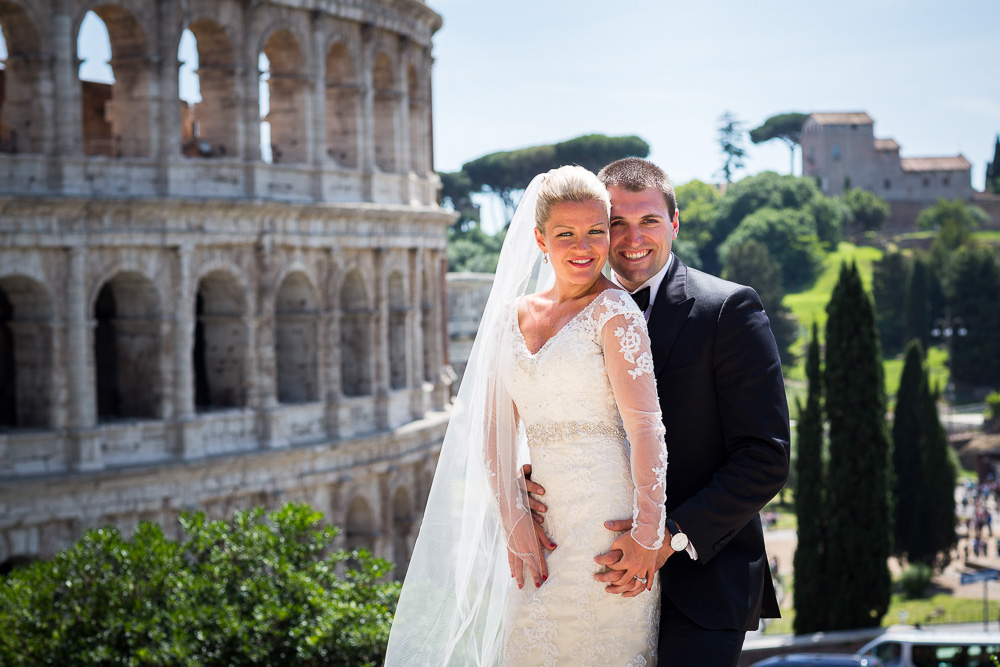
[568,184]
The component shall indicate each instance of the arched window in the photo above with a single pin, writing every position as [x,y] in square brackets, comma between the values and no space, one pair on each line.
[116,103]
[207,84]
[283,97]
[295,340]
[25,353]
[398,311]
[385,114]
[360,531]
[221,343]
[127,348]
[21,122]
[355,338]
[343,107]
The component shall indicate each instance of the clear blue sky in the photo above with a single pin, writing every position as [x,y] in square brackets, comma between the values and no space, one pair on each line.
[527,72]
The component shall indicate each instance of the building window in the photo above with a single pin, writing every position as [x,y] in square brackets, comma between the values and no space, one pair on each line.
[888,184]
[836,151]
[946,181]
[927,182]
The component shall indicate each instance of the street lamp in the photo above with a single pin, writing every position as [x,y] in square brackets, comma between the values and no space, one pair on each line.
[947,328]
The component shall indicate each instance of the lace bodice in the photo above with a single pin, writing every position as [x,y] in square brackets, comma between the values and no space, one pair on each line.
[594,377]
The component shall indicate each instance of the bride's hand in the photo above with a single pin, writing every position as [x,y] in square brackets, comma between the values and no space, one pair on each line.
[517,564]
[636,563]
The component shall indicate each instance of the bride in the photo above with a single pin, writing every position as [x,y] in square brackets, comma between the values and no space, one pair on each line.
[561,378]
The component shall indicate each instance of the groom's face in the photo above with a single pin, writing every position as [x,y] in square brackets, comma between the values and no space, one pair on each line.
[641,234]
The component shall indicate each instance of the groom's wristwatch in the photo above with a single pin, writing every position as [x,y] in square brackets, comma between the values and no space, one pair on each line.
[678,540]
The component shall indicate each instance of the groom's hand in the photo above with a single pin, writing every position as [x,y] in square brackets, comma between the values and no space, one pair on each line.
[613,576]
[537,507]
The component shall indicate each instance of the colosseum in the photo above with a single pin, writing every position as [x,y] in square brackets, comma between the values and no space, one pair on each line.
[188,321]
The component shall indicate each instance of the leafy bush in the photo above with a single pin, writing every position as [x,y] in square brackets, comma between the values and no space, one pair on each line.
[914,581]
[867,211]
[790,239]
[259,590]
[993,405]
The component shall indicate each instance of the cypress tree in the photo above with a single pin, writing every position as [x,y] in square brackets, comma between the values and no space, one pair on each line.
[810,592]
[890,277]
[917,321]
[936,534]
[907,463]
[859,530]
[974,298]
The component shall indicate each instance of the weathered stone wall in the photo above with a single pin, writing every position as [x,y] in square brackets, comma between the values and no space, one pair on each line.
[184,326]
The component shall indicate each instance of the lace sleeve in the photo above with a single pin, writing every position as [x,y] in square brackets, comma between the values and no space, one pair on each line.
[629,361]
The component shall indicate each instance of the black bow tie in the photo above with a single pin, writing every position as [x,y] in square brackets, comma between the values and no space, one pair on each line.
[641,298]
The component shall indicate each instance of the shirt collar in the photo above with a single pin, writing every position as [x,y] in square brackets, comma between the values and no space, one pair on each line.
[653,283]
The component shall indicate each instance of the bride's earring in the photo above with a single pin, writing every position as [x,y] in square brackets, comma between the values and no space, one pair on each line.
[545,258]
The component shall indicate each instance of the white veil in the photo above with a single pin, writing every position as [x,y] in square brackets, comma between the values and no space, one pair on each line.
[454,599]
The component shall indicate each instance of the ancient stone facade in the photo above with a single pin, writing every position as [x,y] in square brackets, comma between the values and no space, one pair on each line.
[467,296]
[183,325]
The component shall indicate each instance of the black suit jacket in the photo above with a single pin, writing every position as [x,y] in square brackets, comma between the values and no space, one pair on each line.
[723,400]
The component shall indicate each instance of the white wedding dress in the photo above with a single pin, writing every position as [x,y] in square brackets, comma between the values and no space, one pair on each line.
[583,398]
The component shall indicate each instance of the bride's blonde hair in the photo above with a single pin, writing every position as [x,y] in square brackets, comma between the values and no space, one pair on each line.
[571,183]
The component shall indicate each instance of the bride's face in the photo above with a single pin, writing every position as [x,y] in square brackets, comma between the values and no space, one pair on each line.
[576,239]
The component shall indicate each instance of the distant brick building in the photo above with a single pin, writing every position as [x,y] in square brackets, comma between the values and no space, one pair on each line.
[840,150]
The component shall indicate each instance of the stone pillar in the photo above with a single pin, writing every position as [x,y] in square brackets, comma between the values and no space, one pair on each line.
[67,122]
[329,351]
[184,336]
[317,97]
[366,133]
[248,99]
[86,452]
[165,95]
[188,443]
[404,165]
[380,334]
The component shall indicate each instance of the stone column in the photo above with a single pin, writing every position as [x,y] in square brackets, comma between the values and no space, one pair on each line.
[86,452]
[248,101]
[317,137]
[67,121]
[165,96]
[188,444]
[380,333]
[403,139]
[366,133]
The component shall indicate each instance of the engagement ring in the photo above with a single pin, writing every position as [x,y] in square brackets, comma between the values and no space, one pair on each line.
[640,579]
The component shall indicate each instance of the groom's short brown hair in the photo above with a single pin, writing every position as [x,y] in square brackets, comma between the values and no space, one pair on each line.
[635,175]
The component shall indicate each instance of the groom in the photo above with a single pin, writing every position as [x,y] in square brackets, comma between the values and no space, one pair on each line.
[723,401]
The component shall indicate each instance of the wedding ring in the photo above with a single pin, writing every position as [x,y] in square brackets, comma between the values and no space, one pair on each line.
[640,579]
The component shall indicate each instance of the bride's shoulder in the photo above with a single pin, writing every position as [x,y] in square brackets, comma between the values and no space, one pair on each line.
[612,302]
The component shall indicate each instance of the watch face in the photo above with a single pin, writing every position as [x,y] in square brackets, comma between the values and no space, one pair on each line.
[679,542]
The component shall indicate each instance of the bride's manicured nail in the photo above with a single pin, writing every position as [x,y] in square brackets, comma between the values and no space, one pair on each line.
[538,584]
[545,578]
[520,586]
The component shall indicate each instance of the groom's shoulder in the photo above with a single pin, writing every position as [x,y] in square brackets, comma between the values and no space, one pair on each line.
[705,286]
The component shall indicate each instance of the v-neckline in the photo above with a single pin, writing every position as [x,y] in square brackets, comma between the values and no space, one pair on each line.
[551,338]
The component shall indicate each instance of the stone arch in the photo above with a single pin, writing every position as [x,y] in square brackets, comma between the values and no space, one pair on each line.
[356,334]
[296,339]
[211,123]
[399,308]
[25,353]
[403,523]
[221,342]
[21,112]
[383,84]
[343,106]
[360,530]
[117,120]
[287,87]
[127,312]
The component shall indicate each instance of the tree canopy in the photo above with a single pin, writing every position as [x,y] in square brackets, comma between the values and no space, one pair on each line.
[507,172]
[731,143]
[785,126]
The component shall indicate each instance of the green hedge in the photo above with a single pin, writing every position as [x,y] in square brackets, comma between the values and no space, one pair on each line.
[262,589]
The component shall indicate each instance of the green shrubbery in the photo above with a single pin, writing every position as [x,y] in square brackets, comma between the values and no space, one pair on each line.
[263,589]
[915,579]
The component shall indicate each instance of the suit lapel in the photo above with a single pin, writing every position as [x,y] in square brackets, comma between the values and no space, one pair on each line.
[669,313]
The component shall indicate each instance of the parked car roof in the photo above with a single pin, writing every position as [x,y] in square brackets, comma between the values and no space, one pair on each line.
[818,660]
